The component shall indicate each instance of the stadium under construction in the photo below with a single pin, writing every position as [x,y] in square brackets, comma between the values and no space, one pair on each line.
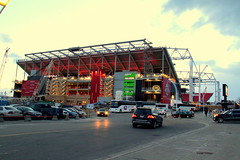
[130,70]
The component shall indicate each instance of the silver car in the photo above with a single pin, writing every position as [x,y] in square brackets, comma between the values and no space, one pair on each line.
[10,112]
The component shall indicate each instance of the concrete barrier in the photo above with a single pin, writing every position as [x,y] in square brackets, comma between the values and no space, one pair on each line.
[1,118]
[77,117]
[67,117]
[54,118]
[27,118]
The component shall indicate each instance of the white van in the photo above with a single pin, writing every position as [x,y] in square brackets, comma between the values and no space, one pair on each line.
[186,107]
[162,108]
[90,106]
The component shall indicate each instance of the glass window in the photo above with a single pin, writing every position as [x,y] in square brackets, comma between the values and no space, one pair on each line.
[1,108]
[8,108]
[230,112]
[143,111]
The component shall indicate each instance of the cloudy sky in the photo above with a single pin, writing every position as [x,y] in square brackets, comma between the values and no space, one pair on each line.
[209,29]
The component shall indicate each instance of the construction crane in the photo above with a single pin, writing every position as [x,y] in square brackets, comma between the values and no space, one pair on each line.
[3,4]
[4,61]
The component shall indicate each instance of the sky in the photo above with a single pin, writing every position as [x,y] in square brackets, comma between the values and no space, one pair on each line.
[209,29]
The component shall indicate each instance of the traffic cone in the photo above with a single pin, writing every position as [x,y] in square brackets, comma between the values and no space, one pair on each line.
[179,116]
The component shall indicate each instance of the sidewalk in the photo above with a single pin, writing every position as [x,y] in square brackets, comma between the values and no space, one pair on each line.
[215,141]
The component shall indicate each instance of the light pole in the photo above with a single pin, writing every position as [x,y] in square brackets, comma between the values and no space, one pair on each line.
[199,83]
[3,4]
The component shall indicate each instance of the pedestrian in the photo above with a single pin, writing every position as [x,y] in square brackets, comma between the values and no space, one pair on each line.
[206,111]
[210,112]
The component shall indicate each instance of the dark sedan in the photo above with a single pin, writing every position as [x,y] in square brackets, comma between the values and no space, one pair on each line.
[183,114]
[230,115]
[146,117]
[29,111]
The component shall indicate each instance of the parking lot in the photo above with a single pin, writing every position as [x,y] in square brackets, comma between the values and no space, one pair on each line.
[114,138]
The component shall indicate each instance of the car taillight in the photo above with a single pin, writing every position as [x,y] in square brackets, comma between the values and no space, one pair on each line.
[134,116]
[150,116]
[11,112]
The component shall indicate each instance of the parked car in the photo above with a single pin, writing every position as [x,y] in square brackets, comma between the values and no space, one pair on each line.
[186,107]
[230,115]
[147,116]
[162,111]
[102,112]
[162,108]
[29,111]
[183,114]
[9,112]
[216,111]
[71,113]
[81,113]
[47,110]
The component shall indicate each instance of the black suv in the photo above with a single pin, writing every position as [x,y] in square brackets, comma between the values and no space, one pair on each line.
[233,114]
[47,110]
[147,116]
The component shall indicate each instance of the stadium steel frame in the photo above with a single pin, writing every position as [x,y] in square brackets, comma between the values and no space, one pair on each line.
[191,78]
[136,55]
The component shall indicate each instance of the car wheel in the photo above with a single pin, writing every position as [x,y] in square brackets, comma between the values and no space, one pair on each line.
[45,116]
[134,125]
[160,124]
[220,120]
[154,125]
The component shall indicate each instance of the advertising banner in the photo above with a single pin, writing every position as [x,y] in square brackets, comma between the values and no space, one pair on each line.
[166,91]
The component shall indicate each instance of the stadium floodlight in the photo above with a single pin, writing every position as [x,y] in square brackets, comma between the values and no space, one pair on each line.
[4,3]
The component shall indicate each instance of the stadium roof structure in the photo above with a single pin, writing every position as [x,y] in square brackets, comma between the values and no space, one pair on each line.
[136,55]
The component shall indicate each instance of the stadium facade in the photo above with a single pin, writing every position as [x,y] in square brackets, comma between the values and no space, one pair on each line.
[130,70]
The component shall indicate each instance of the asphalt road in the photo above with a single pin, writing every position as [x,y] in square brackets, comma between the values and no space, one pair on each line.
[85,139]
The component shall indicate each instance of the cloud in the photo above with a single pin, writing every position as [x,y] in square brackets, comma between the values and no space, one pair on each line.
[15,56]
[234,68]
[5,38]
[224,14]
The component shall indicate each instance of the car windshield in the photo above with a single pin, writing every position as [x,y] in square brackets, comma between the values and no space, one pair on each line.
[67,110]
[143,111]
[28,109]
[10,108]
[224,112]
[102,110]
[71,109]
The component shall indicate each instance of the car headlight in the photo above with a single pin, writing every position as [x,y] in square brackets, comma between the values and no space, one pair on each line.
[98,112]
[106,112]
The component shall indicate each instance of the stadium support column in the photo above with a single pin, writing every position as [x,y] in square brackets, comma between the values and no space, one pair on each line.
[16,73]
[25,66]
[163,54]
[115,63]
[191,87]
[217,92]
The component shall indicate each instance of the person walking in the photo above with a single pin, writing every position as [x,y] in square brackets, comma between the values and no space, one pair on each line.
[206,111]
